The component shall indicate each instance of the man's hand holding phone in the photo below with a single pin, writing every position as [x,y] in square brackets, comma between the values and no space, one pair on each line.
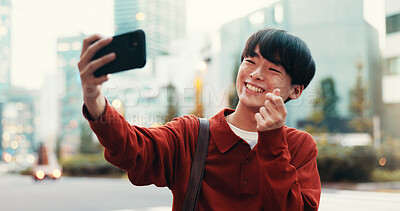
[91,85]
[104,55]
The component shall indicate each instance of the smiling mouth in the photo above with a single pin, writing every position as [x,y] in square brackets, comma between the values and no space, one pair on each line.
[254,88]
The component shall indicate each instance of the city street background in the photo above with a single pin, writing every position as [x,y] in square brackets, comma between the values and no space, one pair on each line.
[351,107]
[101,194]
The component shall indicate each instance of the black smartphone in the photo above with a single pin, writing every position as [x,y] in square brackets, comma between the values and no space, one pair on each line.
[130,51]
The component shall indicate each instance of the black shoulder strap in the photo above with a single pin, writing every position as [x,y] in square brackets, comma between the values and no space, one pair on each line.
[197,169]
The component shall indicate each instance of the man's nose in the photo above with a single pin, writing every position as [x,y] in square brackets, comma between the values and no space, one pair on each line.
[257,74]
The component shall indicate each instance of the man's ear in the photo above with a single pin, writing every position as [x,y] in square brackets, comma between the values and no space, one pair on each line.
[295,91]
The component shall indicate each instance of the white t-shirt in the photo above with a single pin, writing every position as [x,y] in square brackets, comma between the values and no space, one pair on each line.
[250,137]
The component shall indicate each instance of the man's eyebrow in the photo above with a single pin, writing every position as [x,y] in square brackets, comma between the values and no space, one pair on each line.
[257,55]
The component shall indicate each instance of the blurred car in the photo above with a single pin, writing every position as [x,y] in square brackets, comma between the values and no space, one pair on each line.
[46,165]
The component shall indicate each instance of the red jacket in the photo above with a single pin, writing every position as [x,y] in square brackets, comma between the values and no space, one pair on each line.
[280,173]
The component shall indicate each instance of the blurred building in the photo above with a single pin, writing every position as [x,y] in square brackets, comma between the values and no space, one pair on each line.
[49,109]
[163,21]
[340,40]
[5,44]
[5,56]
[189,68]
[68,51]
[139,99]
[19,125]
[18,106]
[391,71]
[140,94]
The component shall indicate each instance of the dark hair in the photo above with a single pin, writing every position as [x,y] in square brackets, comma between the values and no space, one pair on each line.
[283,48]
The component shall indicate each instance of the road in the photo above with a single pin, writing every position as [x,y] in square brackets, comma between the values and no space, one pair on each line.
[21,193]
[344,200]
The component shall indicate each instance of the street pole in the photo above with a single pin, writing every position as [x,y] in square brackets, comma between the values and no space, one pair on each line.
[377,131]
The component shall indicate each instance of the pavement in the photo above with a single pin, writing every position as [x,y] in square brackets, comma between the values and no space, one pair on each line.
[390,187]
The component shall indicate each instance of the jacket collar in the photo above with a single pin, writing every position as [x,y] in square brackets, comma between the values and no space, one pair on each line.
[220,131]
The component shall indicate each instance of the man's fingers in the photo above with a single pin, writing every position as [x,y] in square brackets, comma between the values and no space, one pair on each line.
[263,121]
[88,51]
[88,41]
[277,101]
[270,98]
[276,92]
[92,49]
[271,108]
[259,118]
[102,79]
[96,64]
[98,81]
[264,112]
[273,113]
[279,104]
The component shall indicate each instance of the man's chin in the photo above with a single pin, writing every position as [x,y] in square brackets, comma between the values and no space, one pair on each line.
[251,103]
[254,107]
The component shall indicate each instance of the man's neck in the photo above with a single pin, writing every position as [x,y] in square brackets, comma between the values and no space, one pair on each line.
[243,118]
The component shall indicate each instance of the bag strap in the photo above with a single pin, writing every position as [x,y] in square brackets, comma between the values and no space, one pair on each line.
[197,169]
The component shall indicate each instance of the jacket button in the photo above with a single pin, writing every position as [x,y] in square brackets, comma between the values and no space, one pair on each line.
[246,162]
[245,182]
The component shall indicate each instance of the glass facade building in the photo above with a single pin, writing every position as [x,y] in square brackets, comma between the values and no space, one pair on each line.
[5,45]
[5,57]
[162,21]
[68,51]
[141,94]
[18,126]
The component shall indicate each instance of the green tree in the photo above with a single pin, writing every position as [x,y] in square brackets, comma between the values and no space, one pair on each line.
[358,106]
[329,99]
[233,96]
[87,144]
[172,108]
[324,108]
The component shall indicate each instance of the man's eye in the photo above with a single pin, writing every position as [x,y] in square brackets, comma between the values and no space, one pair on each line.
[275,70]
[248,60]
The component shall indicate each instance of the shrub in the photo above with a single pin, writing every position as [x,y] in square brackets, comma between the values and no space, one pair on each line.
[390,151]
[89,165]
[341,163]
[383,175]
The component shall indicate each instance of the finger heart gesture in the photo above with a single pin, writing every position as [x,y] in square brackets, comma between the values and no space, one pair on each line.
[273,114]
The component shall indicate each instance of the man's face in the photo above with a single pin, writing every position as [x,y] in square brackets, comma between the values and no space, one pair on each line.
[257,77]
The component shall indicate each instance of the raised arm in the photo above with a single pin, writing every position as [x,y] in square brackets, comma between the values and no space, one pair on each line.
[149,155]
[91,86]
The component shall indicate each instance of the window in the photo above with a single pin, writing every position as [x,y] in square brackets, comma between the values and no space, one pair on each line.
[393,66]
[393,24]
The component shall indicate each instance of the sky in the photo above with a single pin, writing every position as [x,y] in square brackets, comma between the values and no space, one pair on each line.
[36,24]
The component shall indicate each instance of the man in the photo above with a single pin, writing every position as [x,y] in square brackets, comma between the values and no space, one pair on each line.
[254,162]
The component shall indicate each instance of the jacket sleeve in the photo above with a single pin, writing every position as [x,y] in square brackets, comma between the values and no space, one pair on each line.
[149,155]
[289,181]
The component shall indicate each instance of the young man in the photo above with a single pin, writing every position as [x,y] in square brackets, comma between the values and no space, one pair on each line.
[254,162]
